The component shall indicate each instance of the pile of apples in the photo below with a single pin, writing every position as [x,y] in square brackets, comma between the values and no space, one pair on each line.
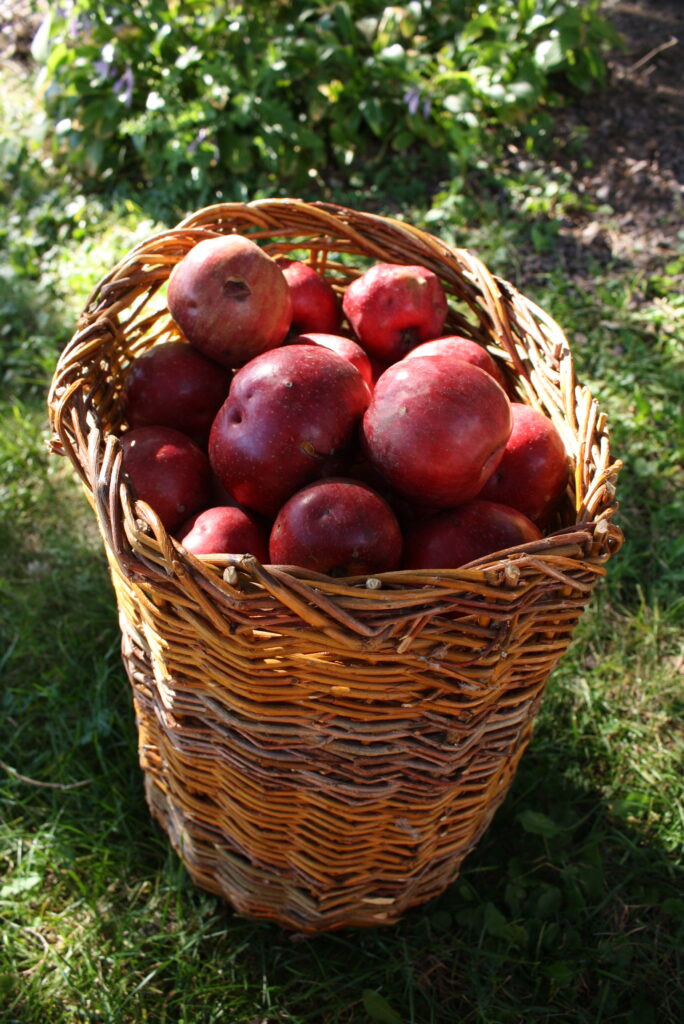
[343,434]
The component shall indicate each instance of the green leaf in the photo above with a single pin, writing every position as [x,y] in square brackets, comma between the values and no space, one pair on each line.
[58,55]
[40,47]
[457,104]
[535,22]
[394,53]
[346,29]
[549,902]
[522,90]
[549,54]
[559,972]
[188,57]
[368,27]
[478,25]
[16,886]
[495,922]
[94,154]
[139,140]
[373,114]
[525,10]
[378,1009]
[402,141]
[538,824]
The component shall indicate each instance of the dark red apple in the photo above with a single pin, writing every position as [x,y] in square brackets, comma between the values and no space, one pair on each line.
[287,412]
[378,367]
[463,348]
[230,299]
[339,527]
[436,429]
[224,529]
[533,472]
[460,535]
[219,495]
[315,305]
[168,471]
[392,308]
[345,347]
[174,385]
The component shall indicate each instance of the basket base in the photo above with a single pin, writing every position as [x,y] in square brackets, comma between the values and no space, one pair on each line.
[266,895]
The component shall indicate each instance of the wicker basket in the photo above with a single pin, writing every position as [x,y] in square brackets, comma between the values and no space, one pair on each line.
[325,752]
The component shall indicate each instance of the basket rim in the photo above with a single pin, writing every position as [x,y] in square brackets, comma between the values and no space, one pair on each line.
[95,454]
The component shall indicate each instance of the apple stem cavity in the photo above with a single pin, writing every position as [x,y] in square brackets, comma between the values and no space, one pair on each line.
[237,289]
[408,339]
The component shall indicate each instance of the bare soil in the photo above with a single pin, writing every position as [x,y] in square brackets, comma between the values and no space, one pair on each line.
[631,162]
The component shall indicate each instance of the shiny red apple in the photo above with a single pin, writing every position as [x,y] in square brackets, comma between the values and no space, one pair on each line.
[168,471]
[345,347]
[462,348]
[315,305]
[230,299]
[533,472]
[224,529]
[337,526]
[460,535]
[392,308]
[174,385]
[287,413]
[436,429]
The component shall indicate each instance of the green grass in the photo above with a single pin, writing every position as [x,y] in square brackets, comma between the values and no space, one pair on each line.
[571,909]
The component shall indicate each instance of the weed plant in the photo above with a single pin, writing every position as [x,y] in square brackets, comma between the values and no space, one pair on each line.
[570,909]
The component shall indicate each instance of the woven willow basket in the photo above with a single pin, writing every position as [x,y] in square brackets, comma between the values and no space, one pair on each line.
[325,752]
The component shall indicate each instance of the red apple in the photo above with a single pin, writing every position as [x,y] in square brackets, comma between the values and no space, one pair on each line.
[224,529]
[287,412]
[345,347]
[168,471]
[436,429]
[392,308]
[460,535]
[533,472]
[339,527]
[174,385]
[315,305]
[230,299]
[463,348]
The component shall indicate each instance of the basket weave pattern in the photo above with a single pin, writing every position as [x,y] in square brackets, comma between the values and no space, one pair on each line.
[325,752]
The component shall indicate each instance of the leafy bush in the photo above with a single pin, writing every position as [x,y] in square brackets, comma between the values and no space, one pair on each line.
[54,245]
[204,100]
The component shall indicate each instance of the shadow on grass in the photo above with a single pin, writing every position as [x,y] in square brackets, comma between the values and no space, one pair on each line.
[566,911]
